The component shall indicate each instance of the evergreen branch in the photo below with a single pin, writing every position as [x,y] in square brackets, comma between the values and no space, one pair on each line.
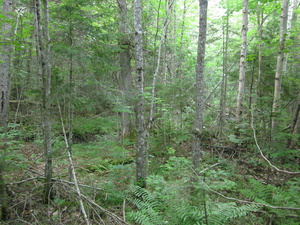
[262,154]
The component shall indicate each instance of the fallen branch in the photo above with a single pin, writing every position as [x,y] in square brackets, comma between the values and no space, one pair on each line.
[240,200]
[53,180]
[262,154]
[73,170]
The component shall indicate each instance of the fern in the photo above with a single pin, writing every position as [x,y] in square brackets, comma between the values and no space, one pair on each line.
[147,207]
[275,196]
[225,212]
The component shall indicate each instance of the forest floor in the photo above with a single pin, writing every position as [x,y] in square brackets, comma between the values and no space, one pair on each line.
[25,181]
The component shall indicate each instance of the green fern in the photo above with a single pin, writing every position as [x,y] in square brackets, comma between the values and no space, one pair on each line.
[223,213]
[147,212]
[275,196]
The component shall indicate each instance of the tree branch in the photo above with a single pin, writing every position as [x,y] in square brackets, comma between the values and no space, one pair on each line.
[262,154]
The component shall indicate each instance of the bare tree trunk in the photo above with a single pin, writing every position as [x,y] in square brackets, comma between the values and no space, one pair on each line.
[4,101]
[290,20]
[260,45]
[199,84]
[43,52]
[142,154]
[125,64]
[242,73]
[224,76]
[280,59]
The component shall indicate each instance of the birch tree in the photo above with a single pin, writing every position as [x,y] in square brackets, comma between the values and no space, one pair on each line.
[199,84]
[4,98]
[242,72]
[280,62]
[141,153]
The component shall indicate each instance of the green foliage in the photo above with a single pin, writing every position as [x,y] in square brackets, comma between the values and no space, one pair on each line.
[225,213]
[12,156]
[275,196]
[89,129]
[171,199]
[148,211]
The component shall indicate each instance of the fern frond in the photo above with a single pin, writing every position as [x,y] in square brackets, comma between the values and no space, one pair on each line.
[225,212]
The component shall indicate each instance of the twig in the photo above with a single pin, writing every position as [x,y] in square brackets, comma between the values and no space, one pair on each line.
[124,215]
[214,165]
[117,219]
[73,170]
[262,154]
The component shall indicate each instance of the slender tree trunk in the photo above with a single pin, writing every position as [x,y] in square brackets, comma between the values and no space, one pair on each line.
[290,20]
[291,143]
[125,64]
[260,45]
[4,101]
[43,52]
[242,73]
[142,154]
[225,72]
[70,100]
[280,60]
[199,84]
[156,73]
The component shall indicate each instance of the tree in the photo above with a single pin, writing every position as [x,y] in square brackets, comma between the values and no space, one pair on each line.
[225,72]
[43,52]
[125,64]
[280,61]
[141,155]
[199,84]
[242,72]
[4,99]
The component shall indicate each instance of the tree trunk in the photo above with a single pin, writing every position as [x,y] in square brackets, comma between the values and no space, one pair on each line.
[224,76]
[260,21]
[125,64]
[142,154]
[43,52]
[280,60]
[242,73]
[4,101]
[199,84]
[291,143]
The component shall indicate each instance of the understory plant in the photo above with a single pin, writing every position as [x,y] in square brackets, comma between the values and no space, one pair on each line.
[173,197]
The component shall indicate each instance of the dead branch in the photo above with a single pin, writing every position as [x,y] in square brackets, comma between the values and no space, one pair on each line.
[262,154]
[239,200]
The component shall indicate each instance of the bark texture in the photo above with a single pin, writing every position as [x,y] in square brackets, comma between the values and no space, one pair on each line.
[280,60]
[199,84]
[125,65]
[4,100]
[242,73]
[141,155]
[43,52]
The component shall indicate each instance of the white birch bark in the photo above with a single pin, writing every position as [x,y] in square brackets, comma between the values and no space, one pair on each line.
[280,60]
[242,73]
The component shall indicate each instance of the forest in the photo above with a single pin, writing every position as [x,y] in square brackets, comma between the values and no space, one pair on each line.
[152,112]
